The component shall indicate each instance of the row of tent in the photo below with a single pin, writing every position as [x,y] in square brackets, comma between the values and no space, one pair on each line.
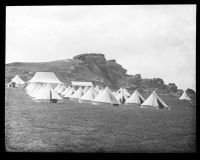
[94,95]
[45,91]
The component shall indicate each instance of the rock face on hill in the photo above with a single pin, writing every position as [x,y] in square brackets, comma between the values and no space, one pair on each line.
[84,67]
[110,71]
[90,67]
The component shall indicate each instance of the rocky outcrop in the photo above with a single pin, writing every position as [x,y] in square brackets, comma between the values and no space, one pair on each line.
[110,71]
[92,58]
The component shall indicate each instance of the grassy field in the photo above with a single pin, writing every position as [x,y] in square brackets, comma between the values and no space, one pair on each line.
[75,127]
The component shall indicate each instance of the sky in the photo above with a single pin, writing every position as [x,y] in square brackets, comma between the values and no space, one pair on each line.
[156,41]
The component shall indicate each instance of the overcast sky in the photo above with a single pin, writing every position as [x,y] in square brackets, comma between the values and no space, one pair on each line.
[156,41]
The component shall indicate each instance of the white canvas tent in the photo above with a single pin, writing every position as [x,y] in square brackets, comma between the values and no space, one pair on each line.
[61,89]
[121,97]
[31,88]
[154,101]
[57,87]
[16,82]
[46,93]
[125,91]
[77,94]
[81,84]
[65,91]
[45,77]
[185,96]
[89,95]
[35,90]
[86,89]
[135,98]
[115,93]
[105,96]
[69,92]
[97,88]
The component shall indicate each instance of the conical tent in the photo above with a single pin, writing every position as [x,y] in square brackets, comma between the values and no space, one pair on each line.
[185,96]
[124,90]
[77,94]
[154,101]
[89,95]
[135,98]
[47,93]
[61,89]
[121,97]
[105,96]
[66,90]
[118,91]
[69,92]
[86,89]
[101,90]
[97,88]
[57,87]
[115,94]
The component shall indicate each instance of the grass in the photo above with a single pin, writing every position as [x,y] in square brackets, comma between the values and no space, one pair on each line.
[79,127]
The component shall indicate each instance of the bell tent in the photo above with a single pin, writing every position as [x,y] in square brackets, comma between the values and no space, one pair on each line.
[124,90]
[61,89]
[65,91]
[69,92]
[105,96]
[185,96]
[77,94]
[97,88]
[154,101]
[121,97]
[135,98]
[86,89]
[89,95]
[57,87]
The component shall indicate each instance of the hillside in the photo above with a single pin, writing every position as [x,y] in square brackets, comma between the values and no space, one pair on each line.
[86,67]
[91,67]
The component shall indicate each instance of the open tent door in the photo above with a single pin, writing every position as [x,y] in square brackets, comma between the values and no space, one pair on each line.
[13,84]
[160,105]
[51,98]
[141,100]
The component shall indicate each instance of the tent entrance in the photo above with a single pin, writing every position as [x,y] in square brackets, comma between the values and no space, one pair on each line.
[160,105]
[141,101]
[12,84]
[52,100]
[122,100]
